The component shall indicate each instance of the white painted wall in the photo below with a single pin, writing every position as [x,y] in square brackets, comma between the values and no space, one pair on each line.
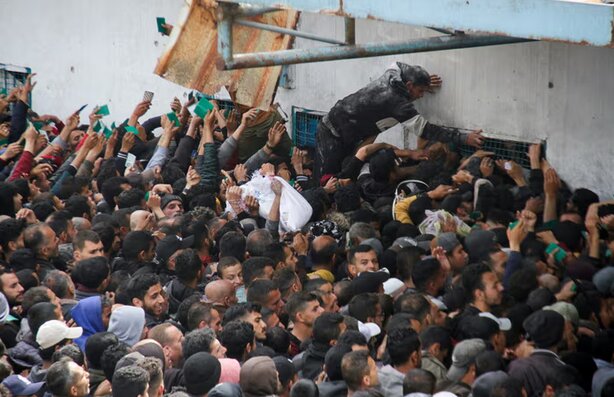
[105,52]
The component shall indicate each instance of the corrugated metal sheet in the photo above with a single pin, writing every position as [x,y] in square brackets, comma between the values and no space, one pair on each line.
[191,56]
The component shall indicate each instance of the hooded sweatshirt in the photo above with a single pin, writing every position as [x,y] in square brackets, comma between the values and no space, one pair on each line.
[127,322]
[88,315]
[259,377]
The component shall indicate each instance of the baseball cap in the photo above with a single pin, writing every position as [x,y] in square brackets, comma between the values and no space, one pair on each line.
[368,282]
[567,310]
[393,286]
[545,328]
[369,330]
[54,331]
[171,244]
[504,323]
[463,356]
[486,382]
[20,386]
[448,241]
[403,242]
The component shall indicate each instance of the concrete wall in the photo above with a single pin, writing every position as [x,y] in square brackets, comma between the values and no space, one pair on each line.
[105,52]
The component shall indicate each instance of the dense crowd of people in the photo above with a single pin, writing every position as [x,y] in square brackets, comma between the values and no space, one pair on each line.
[136,261]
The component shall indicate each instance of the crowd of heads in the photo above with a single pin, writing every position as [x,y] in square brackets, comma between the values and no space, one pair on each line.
[135,262]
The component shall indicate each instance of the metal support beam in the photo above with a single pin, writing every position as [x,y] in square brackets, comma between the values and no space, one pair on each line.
[350,31]
[250,11]
[287,57]
[582,22]
[224,31]
[291,32]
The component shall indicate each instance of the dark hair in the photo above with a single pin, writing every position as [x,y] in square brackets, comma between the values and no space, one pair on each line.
[197,341]
[259,290]
[510,387]
[59,222]
[413,303]
[275,251]
[324,255]
[258,241]
[34,238]
[333,358]
[232,244]
[39,314]
[27,278]
[488,361]
[347,198]
[188,265]
[7,193]
[130,198]
[351,337]
[277,339]
[284,278]
[58,282]
[354,366]
[42,210]
[236,336]
[298,302]
[111,188]
[399,320]
[139,285]
[106,232]
[10,230]
[91,272]
[33,296]
[402,342]
[122,217]
[71,351]
[183,311]
[326,328]
[96,345]
[60,378]
[111,356]
[407,258]
[344,292]
[436,334]
[361,249]
[363,306]
[130,381]
[199,311]
[425,272]
[78,205]
[135,242]
[472,279]
[227,261]
[304,388]
[419,380]
[253,268]
[78,242]
[240,311]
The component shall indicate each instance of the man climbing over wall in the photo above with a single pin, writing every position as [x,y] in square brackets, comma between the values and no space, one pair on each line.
[358,118]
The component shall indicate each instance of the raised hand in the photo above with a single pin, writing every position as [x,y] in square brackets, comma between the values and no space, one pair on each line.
[475,139]
[127,142]
[552,183]
[275,134]
[277,187]
[192,177]
[240,173]
[435,82]
[248,117]
[27,88]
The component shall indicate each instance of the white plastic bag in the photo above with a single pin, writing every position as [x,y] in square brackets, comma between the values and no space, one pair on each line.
[433,224]
[294,210]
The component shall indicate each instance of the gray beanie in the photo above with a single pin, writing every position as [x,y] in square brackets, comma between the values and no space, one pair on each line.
[448,241]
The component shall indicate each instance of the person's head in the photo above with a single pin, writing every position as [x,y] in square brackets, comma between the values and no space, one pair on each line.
[153,366]
[323,251]
[131,198]
[456,254]
[67,379]
[96,345]
[359,371]
[40,313]
[259,267]
[287,281]
[325,291]
[62,225]
[221,293]
[257,242]
[238,338]
[304,388]
[139,246]
[463,360]
[403,346]
[359,232]
[111,356]
[92,274]
[87,244]
[419,380]
[204,315]
[11,235]
[259,377]
[248,312]
[10,199]
[327,328]
[202,340]
[42,240]
[77,205]
[201,373]
[545,328]
[362,259]
[60,283]
[54,334]
[229,268]
[110,238]
[415,78]
[486,327]
[172,206]
[429,276]
[188,266]
[171,340]
[145,291]
[112,188]
[10,287]
[70,351]
[266,294]
[233,244]
[437,341]
[482,286]
[278,339]
[130,381]
[277,252]
[366,308]
[304,308]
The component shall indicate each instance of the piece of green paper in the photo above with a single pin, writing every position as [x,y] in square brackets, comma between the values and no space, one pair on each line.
[161,21]
[3,91]
[103,110]
[97,126]
[173,117]
[203,107]
[38,125]
[107,132]
[113,125]
[132,129]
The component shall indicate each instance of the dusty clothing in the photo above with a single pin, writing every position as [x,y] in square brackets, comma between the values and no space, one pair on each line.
[391,381]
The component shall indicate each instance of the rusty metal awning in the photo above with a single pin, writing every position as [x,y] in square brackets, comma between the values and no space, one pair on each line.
[191,56]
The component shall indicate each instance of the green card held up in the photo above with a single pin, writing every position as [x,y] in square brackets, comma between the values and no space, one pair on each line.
[161,21]
[38,125]
[97,127]
[3,91]
[203,107]
[107,132]
[113,125]
[103,110]
[132,130]
[173,118]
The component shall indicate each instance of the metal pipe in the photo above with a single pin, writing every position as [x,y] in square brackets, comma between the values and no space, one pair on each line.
[245,10]
[224,32]
[350,31]
[291,32]
[294,56]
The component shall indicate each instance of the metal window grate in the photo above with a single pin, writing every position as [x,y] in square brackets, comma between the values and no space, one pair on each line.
[225,105]
[506,148]
[12,76]
[304,126]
